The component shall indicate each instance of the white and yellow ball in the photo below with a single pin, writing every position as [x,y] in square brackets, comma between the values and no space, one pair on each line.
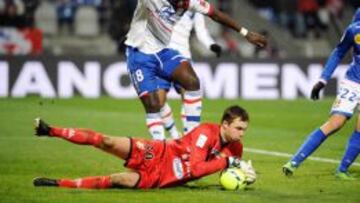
[233,179]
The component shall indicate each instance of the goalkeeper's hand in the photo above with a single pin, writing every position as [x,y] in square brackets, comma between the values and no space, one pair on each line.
[249,172]
[246,167]
[315,92]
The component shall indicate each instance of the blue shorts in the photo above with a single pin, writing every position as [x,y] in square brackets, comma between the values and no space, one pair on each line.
[150,72]
[166,85]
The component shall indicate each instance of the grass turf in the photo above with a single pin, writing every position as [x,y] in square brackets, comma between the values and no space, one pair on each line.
[275,125]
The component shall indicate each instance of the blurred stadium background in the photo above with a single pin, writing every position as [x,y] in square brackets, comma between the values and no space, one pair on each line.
[49,39]
[297,28]
[64,60]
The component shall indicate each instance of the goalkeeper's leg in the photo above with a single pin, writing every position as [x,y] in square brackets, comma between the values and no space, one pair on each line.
[126,179]
[118,146]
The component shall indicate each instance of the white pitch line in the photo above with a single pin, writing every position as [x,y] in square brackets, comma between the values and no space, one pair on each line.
[281,154]
[251,150]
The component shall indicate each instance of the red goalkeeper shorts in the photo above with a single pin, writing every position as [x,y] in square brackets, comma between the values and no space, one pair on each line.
[146,158]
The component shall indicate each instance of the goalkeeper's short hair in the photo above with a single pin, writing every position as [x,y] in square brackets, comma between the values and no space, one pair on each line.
[234,112]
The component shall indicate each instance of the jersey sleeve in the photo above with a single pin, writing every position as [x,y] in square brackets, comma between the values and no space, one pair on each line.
[233,149]
[337,54]
[201,145]
[201,6]
[202,33]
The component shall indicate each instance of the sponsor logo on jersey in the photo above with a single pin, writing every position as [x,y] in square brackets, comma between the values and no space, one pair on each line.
[357,39]
[177,168]
[201,140]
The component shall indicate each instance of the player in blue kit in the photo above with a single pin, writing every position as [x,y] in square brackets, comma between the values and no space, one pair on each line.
[346,102]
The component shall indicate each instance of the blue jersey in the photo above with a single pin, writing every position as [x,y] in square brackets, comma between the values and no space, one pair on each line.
[350,39]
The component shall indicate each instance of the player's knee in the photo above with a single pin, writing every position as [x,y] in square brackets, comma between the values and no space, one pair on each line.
[116,179]
[151,103]
[107,142]
[153,107]
[336,124]
[124,179]
[193,83]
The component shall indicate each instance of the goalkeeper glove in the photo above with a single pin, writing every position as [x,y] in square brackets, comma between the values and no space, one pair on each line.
[250,172]
[246,167]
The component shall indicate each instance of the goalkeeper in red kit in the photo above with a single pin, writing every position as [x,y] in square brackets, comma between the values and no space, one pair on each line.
[206,149]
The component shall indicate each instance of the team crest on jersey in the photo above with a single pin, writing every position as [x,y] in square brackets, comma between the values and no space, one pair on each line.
[167,13]
[357,39]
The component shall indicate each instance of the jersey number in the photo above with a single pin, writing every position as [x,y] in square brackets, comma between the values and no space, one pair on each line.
[346,94]
[139,76]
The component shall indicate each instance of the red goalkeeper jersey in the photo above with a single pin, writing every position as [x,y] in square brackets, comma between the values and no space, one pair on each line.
[199,153]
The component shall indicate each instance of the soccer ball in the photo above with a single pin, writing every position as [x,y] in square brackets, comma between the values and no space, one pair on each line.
[233,179]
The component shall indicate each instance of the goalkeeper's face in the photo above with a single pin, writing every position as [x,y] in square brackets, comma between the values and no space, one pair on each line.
[234,131]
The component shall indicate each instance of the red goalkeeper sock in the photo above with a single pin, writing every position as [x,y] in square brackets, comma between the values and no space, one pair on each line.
[78,136]
[96,182]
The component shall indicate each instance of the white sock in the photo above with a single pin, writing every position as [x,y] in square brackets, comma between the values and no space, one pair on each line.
[168,119]
[183,117]
[192,105]
[155,126]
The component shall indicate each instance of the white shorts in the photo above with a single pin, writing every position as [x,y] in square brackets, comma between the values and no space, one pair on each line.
[347,98]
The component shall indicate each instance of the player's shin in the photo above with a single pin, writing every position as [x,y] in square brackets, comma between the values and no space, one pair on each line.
[155,126]
[168,120]
[78,136]
[192,105]
[96,182]
[313,141]
[352,151]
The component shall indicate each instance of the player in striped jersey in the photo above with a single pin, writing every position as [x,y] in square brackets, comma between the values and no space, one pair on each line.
[180,41]
[149,59]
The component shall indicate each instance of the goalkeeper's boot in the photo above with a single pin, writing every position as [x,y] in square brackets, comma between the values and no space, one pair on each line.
[39,182]
[344,176]
[41,128]
[289,168]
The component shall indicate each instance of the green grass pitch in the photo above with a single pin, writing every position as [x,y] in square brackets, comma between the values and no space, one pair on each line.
[275,126]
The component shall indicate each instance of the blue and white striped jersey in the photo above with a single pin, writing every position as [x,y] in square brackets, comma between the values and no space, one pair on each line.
[153,21]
